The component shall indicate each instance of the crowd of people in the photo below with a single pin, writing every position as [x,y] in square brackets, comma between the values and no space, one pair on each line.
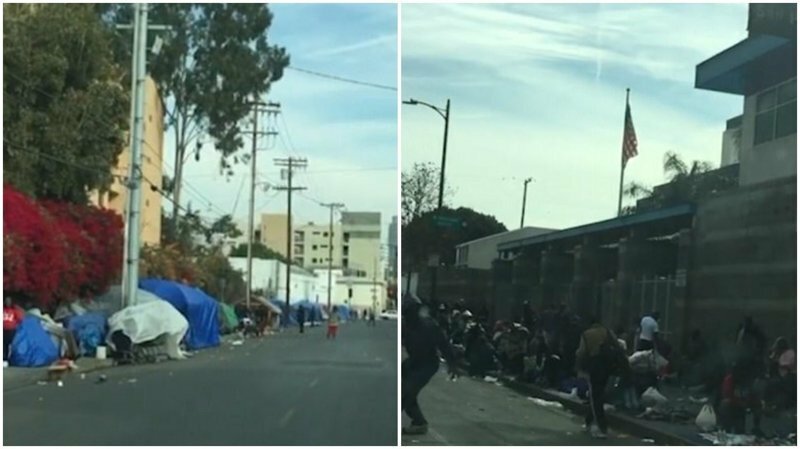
[556,348]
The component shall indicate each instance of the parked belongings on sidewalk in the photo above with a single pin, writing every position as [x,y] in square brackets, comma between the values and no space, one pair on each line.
[63,339]
[707,418]
[648,361]
[89,330]
[653,397]
[200,310]
[147,322]
[32,345]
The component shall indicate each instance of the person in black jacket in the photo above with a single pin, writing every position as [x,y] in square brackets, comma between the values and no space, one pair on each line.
[423,340]
[301,318]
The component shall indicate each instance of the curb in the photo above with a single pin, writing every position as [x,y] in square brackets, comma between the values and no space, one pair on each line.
[618,421]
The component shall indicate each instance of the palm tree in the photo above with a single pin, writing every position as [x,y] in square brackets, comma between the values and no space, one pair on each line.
[687,184]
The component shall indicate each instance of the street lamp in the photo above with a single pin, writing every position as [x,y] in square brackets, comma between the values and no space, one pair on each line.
[445,113]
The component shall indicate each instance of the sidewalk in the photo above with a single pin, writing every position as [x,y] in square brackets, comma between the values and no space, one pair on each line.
[16,377]
[684,434]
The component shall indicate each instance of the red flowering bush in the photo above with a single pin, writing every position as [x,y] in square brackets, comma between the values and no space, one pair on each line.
[58,251]
[33,253]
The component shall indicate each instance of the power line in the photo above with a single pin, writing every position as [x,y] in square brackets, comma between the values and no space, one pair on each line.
[343,79]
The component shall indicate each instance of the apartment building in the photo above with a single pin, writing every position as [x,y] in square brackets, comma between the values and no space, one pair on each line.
[152,158]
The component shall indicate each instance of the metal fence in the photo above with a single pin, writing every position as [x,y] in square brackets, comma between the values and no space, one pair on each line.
[655,294]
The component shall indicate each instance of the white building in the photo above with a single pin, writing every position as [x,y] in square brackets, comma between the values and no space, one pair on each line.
[480,253]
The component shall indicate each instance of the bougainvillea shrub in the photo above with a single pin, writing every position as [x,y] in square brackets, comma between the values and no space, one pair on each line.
[58,251]
[33,250]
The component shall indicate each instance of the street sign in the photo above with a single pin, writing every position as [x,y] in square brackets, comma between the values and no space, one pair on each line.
[448,222]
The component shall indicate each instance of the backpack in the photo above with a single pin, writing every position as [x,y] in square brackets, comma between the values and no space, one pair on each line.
[610,355]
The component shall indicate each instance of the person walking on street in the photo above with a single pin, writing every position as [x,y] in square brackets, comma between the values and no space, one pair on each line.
[12,317]
[301,318]
[372,317]
[333,323]
[648,335]
[598,357]
[423,340]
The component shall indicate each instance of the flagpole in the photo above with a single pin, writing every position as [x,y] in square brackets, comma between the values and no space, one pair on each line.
[622,152]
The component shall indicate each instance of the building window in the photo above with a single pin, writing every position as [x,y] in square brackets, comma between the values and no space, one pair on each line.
[314,247]
[346,236]
[324,234]
[776,113]
[314,260]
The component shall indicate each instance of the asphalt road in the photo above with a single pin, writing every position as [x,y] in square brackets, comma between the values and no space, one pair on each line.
[472,412]
[286,389]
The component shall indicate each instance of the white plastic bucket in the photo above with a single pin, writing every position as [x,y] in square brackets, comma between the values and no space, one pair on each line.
[101,353]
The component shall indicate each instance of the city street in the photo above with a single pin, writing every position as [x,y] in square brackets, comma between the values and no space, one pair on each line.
[471,412]
[286,389]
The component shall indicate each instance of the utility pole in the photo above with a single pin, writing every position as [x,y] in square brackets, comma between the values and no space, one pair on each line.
[291,163]
[375,285]
[133,202]
[524,200]
[258,107]
[331,206]
[130,276]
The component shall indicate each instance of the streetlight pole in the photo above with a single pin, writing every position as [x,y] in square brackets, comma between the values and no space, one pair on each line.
[445,113]
[524,200]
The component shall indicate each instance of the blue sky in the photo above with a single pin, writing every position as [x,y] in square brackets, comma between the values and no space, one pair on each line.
[347,132]
[539,91]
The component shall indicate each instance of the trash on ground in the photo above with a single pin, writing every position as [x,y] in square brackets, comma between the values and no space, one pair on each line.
[728,439]
[700,400]
[102,379]
[60,383]
[132,381]
[41,382]
[648,440]
[83,376]
[609,407]
[707,418]
[490,379]
[544,403]
[653,396]
[237,342]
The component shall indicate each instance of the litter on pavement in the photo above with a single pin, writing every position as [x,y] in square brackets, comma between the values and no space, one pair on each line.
[132,381]
[490,379]
[728,439]
[648,440]
[41,382]
[544,403]
[60,383]
[237,342]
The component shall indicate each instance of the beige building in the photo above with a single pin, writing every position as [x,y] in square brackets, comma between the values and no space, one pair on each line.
[356,242]
[152,155]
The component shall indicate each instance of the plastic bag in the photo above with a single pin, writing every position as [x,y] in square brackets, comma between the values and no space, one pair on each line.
[653,397]
[707,419]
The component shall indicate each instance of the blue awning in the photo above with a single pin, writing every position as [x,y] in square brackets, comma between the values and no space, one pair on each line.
[733,71]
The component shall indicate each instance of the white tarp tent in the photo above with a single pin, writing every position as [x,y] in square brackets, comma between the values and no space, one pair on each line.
[148,321]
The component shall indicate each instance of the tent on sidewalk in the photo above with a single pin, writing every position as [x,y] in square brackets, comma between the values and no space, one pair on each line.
[228,317]
[32,345]
[344,312]
[315,314]
[201,310]
[89,330]
[110,302]
[146,322]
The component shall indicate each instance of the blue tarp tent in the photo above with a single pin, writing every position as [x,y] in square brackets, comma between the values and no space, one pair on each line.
[289,319]
[344,312]
[89,330]
[201,310]
[313,311]
[32,345]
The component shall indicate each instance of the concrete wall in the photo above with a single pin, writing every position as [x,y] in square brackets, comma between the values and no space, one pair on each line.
[769,160]
[744,260]
[152,167]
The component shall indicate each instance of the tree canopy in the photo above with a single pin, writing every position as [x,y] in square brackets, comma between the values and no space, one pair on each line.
[687,183]
[420,187]
[423,237]
[65,111]
[214,61]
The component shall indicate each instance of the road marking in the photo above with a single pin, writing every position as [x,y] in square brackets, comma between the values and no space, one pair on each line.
[287,417]
[313,383]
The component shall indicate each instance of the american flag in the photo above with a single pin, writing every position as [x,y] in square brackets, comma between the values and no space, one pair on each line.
[629,142]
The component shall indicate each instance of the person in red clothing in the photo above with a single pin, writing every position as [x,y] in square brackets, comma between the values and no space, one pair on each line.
[738,395]
[12,317]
